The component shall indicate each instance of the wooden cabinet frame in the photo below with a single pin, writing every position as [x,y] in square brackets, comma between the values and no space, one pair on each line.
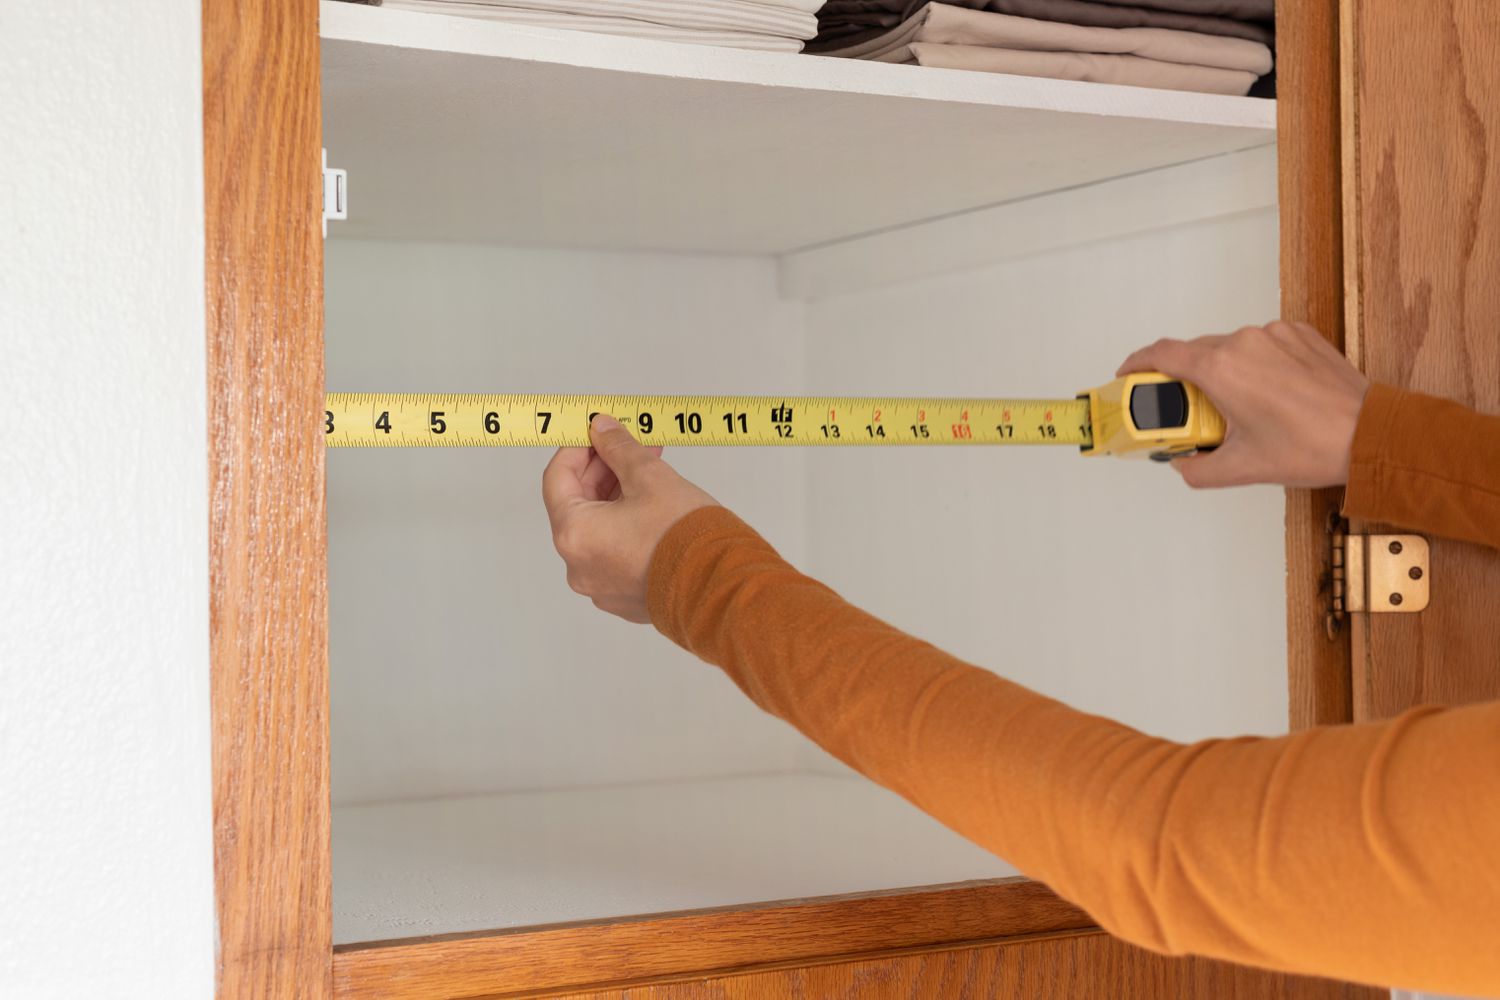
[268,535]
[269,579]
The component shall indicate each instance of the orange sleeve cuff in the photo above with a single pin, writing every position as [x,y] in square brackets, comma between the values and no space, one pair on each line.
[1427,464]
[1371,433]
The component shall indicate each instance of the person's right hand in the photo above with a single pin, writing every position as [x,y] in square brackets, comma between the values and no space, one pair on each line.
[1290,401]
[609,506]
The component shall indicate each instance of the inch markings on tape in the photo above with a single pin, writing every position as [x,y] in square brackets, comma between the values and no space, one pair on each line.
[449,420]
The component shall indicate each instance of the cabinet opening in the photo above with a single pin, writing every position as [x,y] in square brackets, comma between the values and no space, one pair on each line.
[503,755]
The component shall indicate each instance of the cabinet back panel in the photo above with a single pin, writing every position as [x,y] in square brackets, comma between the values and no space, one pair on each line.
[461,662]
[1105,583]
[436,692]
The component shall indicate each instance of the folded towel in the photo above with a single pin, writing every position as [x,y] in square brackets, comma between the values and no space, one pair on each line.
[874,16]
[606,25]
[761,17]
[945,24]
[1240,10]
[1130,71]
[806,6]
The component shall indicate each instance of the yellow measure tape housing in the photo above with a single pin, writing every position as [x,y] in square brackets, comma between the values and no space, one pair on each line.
[404,420]
[1147,413]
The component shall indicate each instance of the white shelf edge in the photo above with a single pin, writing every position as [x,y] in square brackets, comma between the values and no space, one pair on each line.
[1215,187]
[357,23]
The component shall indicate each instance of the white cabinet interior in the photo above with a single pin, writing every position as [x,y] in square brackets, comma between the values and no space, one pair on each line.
[504,755]
[456,129]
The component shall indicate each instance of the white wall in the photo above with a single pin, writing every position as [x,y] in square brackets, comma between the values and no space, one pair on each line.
[106,888]
[1102,582]
[461,662]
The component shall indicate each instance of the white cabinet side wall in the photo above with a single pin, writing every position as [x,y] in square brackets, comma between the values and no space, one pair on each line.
[461,662]
[1103,582]
[106,887]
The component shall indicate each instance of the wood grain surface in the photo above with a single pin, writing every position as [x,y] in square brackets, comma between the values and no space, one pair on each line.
[1078,966]
[1422,197]
[1309,178]
[268,563]
[578,955]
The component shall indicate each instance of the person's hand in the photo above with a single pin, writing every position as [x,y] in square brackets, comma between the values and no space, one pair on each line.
[1289,398]
[609,506]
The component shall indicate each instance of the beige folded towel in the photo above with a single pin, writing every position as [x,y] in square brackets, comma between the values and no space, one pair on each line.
[1129,71]
[948,25]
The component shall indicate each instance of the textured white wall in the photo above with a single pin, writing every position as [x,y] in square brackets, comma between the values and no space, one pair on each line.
[106,887]
[461,662]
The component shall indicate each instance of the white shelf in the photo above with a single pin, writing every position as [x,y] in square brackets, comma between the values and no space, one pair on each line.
[524,859]
[464,130]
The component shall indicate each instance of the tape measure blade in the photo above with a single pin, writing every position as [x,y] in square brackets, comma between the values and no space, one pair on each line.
[375,420]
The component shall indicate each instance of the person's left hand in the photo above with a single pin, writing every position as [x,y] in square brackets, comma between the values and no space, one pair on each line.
[610,505]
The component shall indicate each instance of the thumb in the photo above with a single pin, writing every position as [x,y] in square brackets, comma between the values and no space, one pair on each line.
[626,457]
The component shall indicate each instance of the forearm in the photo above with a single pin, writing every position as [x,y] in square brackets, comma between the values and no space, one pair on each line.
[1249,850]
[1427,464]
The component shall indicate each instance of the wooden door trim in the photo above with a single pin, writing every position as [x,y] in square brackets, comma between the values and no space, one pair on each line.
[1309,136]
[573,956]
[1422,143]
[263,257]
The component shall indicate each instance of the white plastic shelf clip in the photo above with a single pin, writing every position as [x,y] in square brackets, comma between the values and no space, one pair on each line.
[335,194]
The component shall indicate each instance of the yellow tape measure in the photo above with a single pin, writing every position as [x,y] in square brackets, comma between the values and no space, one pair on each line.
[1139,413]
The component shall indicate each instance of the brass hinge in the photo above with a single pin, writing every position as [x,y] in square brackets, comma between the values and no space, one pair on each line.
[1374,574]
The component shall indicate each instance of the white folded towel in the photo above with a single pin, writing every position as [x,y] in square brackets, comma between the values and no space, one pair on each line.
[741,23]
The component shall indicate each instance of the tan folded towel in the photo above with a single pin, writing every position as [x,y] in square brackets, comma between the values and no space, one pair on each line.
[1129,71]
[945,24]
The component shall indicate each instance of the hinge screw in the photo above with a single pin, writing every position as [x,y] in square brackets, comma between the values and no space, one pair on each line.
[1395,548]
[1415,572]
[1395,598]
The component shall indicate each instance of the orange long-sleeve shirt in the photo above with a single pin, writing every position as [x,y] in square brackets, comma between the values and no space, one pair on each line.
[1366,852]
